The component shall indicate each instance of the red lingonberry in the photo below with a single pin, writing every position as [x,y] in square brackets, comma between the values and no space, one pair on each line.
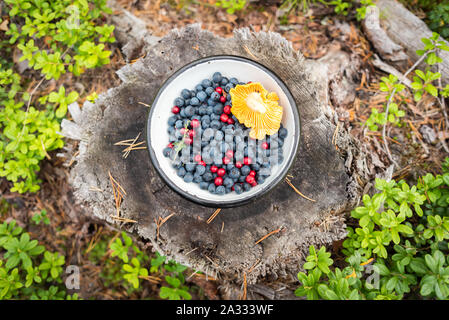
[202,163]
[170,145]
[219,90]
[218,181]
[224,117]
[229,154]
[227,109]
[222,99]
[195,123]
[265,145]
[238,165]
[221,172]
[213,169]
[226,160]
[230,121]
[249,179]
[197,158]
[247,161]
[175,109]
[252,173]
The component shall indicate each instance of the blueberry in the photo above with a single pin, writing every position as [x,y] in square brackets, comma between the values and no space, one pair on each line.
[194,101]
[229,138]
[189,111]
[224,81]
[178,124]
[172,137]
[206,83]
[219,135]
[216,77]
[238,189]
[228,98]
[281,142]
[238,155]
[171,120]
[214,116]
[205,117]
[228,87]
[215,96]
[230,166]
[190,167]
[208,134]
[234,81]
[218,109]
[210,110]
[179,102]
[199,88]
[202,110]
[280,158]
[197,178]
[182,113]
[186,94]
[181,172]
[242,179]
[200,169]
[201,95]
[204,185]
[282,133]
[185,122]
[205,123]
[246,186]
[209,91]
[260,180]
[211,102]
[228,182]
[215,124]
[245,170]
[166,152]
[220,190]
[255,167]
[211,187]
[234,173]
[207,176]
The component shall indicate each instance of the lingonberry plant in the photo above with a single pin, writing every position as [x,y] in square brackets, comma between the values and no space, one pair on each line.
[27,269]
[131,266]
[398,248]
[53,38]
[424,82]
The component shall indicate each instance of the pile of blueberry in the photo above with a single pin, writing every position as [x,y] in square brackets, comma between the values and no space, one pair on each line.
[210,147]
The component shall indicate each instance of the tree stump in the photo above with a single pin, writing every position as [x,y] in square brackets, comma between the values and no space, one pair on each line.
[328,168]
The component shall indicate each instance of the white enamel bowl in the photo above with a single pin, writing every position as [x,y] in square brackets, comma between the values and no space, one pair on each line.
[188,77]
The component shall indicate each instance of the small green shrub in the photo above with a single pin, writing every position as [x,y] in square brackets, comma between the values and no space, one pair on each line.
[27,269]
[399,249]
[231,6]
[423,83]
[130,267]
[53,37]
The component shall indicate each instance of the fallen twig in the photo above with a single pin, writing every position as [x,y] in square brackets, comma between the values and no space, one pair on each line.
[296,190]
[269,234]
[212,217]
[160,221]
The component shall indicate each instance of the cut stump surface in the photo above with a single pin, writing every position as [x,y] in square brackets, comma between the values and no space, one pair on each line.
[226,247]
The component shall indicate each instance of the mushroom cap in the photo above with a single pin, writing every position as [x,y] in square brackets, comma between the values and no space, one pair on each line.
[257,109]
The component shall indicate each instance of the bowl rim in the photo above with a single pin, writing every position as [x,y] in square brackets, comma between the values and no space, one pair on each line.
[244,200]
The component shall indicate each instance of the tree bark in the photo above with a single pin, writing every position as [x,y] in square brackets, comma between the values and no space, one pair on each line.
[328,167]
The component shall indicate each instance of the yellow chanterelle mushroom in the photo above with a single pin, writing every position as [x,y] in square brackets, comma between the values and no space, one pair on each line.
[257,109]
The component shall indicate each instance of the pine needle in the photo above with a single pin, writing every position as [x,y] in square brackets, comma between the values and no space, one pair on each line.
[269,234]
[212,217]
[296,190]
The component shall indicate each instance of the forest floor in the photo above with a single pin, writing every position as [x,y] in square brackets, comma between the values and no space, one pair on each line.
[84,242]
